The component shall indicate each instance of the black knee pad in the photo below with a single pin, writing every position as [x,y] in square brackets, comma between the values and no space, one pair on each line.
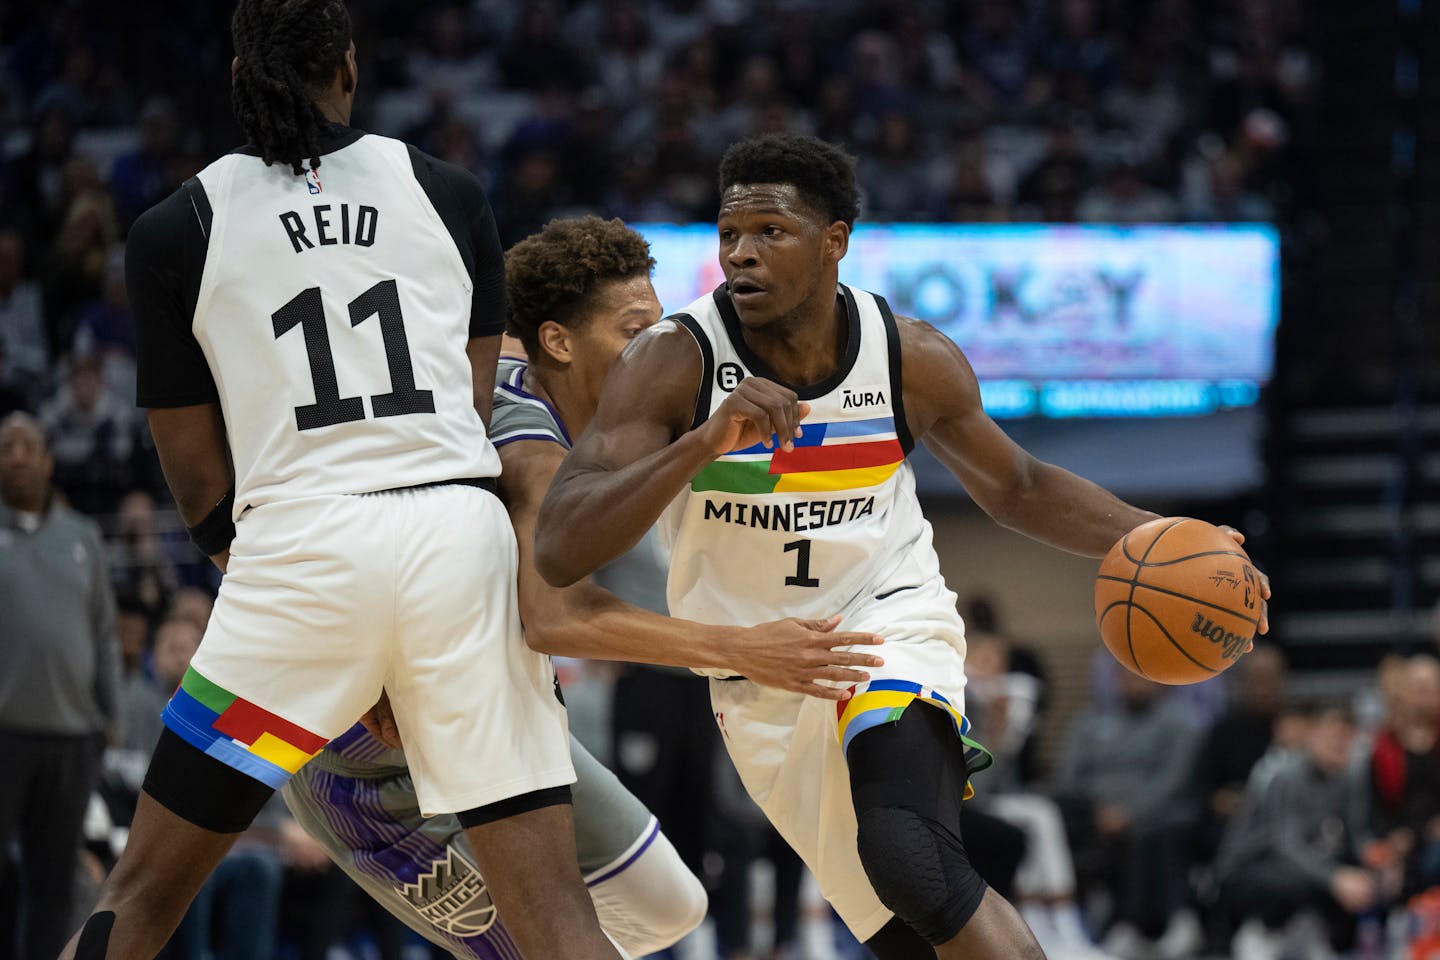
[919,870]
[896,941]
[196,787]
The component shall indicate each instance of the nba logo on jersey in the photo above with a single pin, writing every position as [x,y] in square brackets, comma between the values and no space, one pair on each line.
[312,180]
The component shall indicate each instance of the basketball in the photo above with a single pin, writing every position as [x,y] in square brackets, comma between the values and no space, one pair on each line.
[1177,600]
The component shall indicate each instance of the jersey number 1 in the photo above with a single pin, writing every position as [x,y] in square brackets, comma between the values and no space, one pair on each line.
[307,311]
[802,576]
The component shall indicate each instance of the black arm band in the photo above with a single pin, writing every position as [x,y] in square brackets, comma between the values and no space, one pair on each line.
[214,534]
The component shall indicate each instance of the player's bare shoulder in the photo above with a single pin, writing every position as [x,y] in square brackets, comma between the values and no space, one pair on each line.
[937,377]
[659,373]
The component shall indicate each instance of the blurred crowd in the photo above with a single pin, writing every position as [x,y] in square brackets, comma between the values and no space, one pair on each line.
[1250,811]
[987,110]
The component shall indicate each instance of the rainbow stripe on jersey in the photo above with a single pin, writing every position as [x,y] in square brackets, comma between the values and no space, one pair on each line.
[829,457]
[884,701]
[238,733]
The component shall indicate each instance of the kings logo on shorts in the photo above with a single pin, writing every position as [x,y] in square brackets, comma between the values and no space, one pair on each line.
[452,896]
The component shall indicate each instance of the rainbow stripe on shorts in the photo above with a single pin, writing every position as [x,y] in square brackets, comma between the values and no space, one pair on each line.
[884,701]
[237,732]
[843,455]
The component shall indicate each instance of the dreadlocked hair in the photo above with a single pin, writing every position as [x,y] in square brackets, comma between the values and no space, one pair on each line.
[288,52]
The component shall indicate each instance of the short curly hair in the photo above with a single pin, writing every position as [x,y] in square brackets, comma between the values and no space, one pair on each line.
[551,275]
[822,173]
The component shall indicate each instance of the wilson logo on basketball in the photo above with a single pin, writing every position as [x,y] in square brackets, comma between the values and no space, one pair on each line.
[1232,645]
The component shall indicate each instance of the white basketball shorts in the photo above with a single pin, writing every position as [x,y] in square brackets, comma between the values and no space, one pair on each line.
[327,600]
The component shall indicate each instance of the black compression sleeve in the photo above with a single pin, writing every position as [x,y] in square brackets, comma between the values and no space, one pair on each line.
[164,258]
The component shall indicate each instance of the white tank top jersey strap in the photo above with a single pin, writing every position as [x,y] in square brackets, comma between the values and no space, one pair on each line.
[829,527]
[334,309]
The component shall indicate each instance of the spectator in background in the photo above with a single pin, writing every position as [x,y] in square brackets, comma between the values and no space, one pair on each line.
[1079,46]
[193,604]
[628,66]
[106,328]
[58,686]
[143,176]
[1122,783]
[11,398]
[39,173]
[141,568]
[1200,704]
[73,273]
[1052,188]
[1238,740]
[90,432]
[1214,190]
[894,175]
[966,194]
[1147,107]
[537,55]
[1000,45]
[175,644]
[137,723]
[22,321]
[1124,196]
[1293,847]
[1405,774]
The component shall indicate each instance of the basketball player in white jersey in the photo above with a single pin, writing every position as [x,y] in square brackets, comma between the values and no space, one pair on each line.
[319,319]
[770,422]
[577,293]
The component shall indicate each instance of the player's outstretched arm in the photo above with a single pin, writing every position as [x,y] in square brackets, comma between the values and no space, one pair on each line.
[1038,499]
[584,620]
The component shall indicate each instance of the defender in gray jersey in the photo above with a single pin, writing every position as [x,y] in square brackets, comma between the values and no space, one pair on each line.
[577,293]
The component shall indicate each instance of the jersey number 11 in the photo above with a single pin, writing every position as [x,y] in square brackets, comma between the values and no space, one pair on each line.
[307,311]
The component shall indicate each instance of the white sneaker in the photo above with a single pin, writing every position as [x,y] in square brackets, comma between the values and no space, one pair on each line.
[1183,937]
[1255,941]
[1127,943]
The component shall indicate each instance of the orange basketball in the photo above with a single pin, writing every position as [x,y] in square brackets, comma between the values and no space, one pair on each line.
[1177,600]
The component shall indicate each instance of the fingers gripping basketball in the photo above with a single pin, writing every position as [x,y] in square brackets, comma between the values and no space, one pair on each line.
[1177,600]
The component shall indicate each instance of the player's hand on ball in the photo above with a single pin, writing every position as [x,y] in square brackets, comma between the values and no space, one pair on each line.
[796,654]
[1264,625]
[379,720]
[757,411]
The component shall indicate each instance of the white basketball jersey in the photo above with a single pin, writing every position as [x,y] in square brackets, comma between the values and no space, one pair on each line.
[824,529]
[334,310]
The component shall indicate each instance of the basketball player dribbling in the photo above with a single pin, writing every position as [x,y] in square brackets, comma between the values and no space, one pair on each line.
[769,422]
[319,319]
[577,293]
